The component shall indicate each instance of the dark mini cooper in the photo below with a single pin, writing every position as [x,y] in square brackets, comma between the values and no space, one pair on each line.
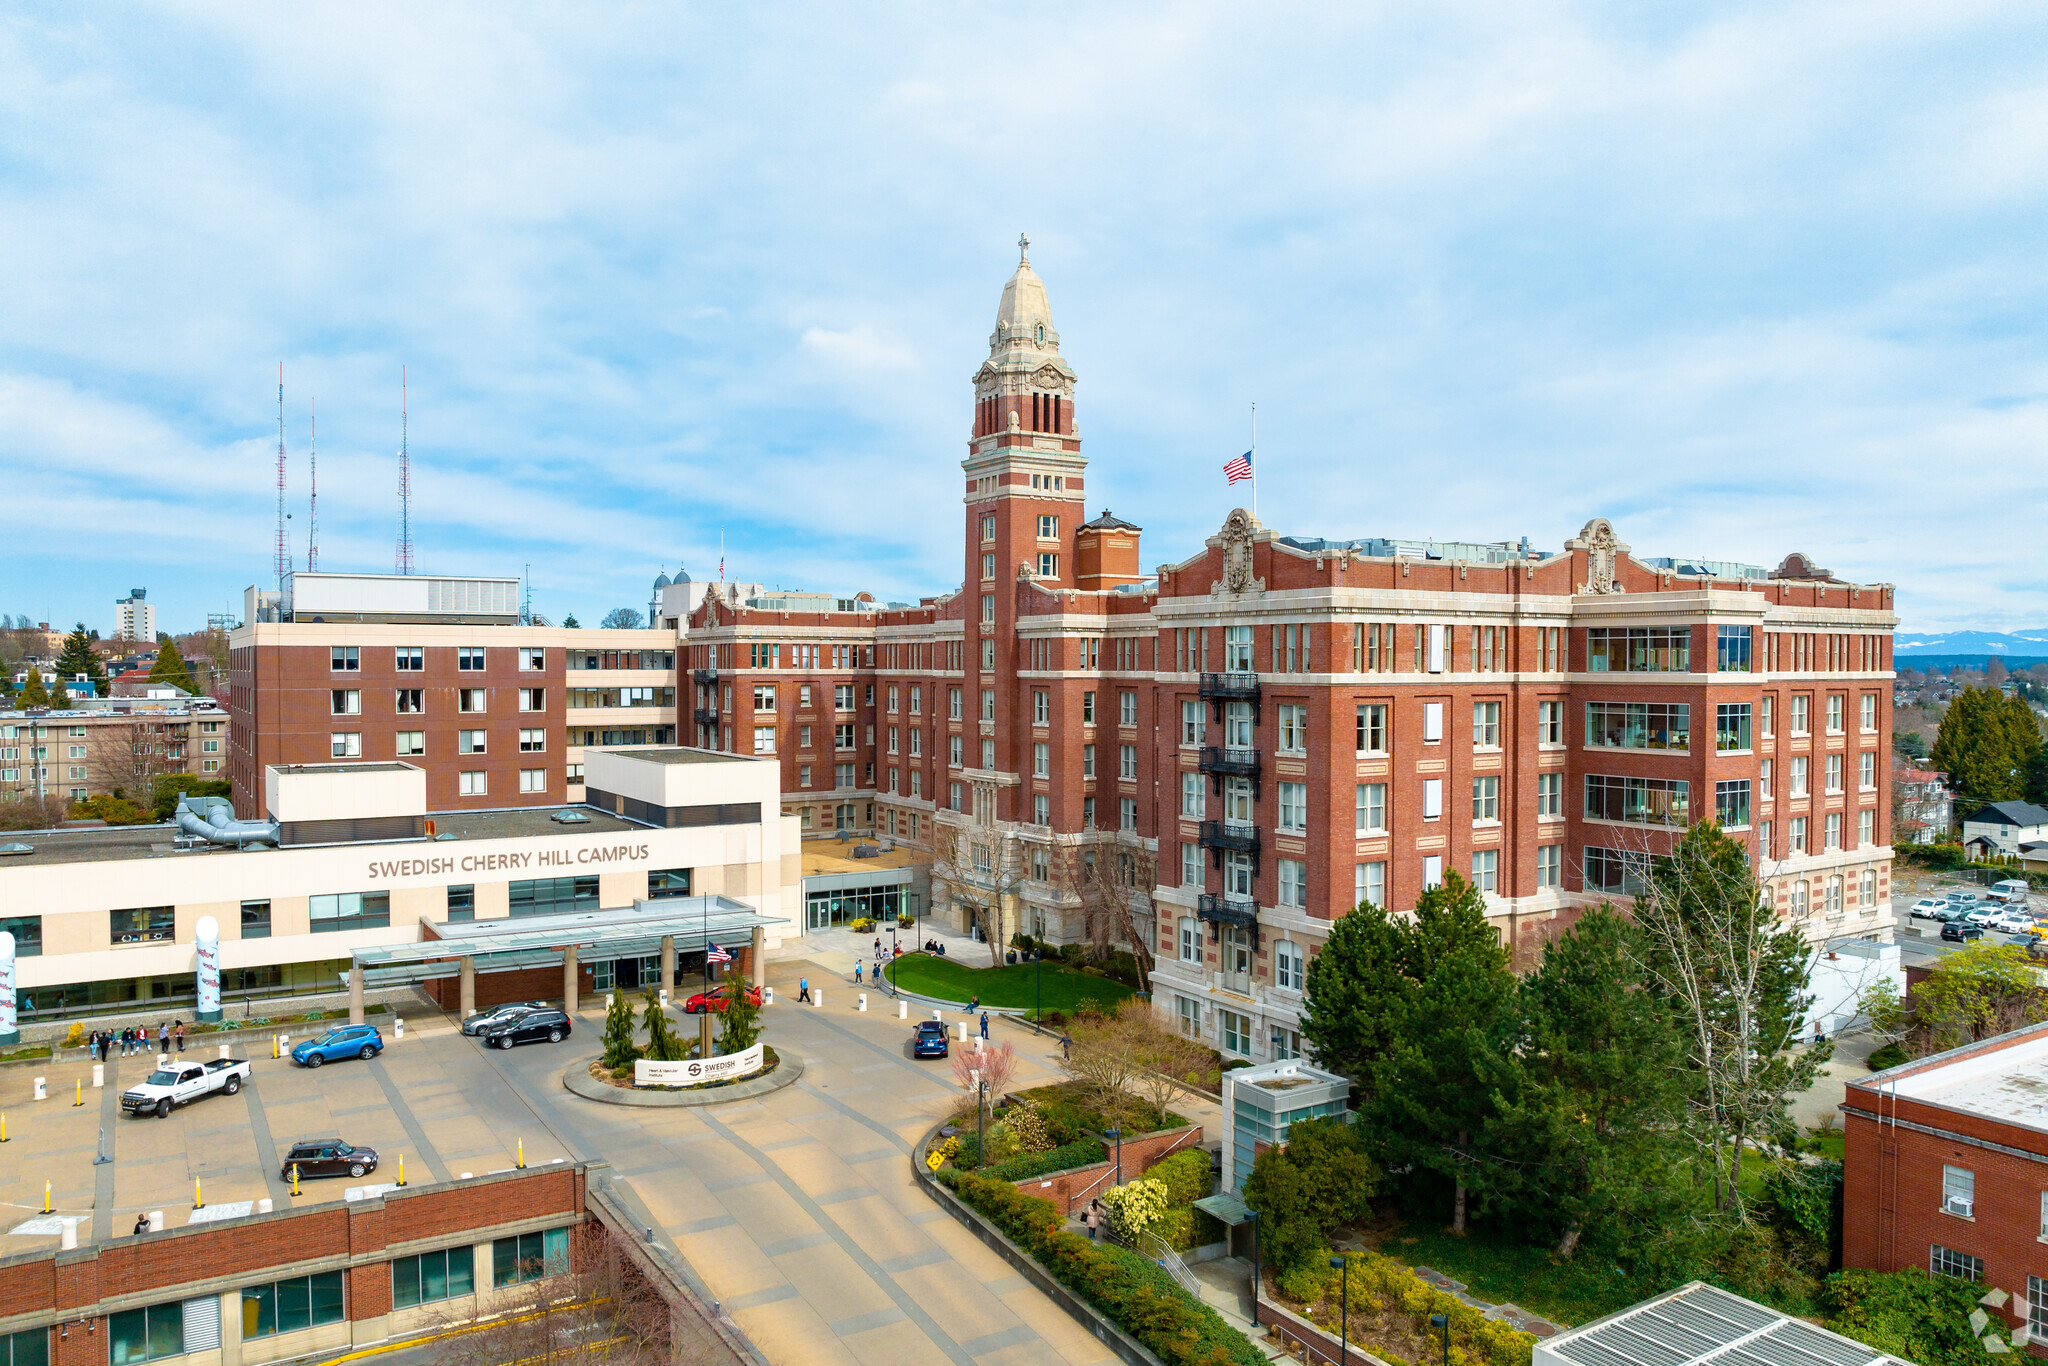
[327,1157]
[929,1040]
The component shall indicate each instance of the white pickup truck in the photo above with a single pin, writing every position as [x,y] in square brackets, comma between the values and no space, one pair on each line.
[184,1081]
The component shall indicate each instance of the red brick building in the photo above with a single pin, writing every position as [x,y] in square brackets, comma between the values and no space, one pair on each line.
[1247,742]
[1946,1169]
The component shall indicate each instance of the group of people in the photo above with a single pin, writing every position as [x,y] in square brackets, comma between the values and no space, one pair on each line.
[106,1043]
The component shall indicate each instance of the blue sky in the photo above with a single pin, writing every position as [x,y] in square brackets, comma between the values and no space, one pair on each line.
[1744,279]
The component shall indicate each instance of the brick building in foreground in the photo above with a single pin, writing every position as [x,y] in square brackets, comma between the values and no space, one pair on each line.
[1222,757]
[1946,1169]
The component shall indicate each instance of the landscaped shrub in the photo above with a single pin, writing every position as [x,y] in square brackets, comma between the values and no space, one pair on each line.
[1135,1205]
[1131,1291]
[1186,1176]
[1307,1283]
[1910,1314]
[1024,1166]
[1390,1307]
[1027,1121]
[1890,1055]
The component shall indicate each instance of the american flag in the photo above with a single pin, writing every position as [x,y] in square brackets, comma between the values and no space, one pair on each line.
[1240,469]
[715,954]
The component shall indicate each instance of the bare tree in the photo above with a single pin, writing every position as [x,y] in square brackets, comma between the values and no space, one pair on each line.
[131,753]
[979,868]
[1114,880]
[605,1311]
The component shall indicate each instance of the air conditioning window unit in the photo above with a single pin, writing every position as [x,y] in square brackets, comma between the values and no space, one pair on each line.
[1956,1204]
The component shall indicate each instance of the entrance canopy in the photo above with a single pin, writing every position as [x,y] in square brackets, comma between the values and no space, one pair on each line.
[538,940]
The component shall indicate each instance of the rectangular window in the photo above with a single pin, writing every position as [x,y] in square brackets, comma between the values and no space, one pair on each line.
[1041,761]
[1795,835]
[1866,827]
[462,901]
[1626,871]
[1639,725]
[345,659]
[1959,1266]
[287,1306]
[1087,708]
[1731,649]
[1127,709]
[335,913]
[470,658]
[1834,773]
[1731,803]
[1191,724]
[1432,871]
[1087,761]
[1234,1032]
[473,783]
[1372,728]
[254,920]
[553,895]
[1432,798]
[1372,808]
[1294,808]
[432,1276]
[1867,711]
[1190,940]
[410,701]
[1731,725]
[473,699]
[1799,763]
[1369,883]
[345,702]
[1048,527]
[1193,800]
[1550,723]
[1190,864]
[1639,801]
[536,741]
[1550,794]
[1638,649]
[1833,831]
[1293,729]
[1801,704]
[532,659]
[411,743]
[1432,722]
[1237,649]
[1293,883]
[988,754]
[471,741]
[1485,800]
[1486,725]
[340,745]
[1549,865]
[142,925]
[1866,771]
[1764,716]
[1041,809]
[529,1257]
[1127,813]
[533,780]
[1486,869]
[1190,1016]
[1288,966]
[135,1335]
[1837,706]
[843,736]
[1127,762]
[843,775]
[409,659]
[1041,707]
[536,699]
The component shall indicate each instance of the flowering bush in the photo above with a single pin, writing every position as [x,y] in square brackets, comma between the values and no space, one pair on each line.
[1135,1205]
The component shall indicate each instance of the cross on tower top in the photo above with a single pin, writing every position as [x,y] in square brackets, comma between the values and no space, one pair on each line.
[1024,249]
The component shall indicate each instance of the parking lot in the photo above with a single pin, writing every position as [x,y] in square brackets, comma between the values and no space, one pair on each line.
[798,1209]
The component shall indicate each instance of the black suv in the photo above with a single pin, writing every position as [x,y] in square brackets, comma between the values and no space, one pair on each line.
[530,1026]
[328,1157]
[1957,931]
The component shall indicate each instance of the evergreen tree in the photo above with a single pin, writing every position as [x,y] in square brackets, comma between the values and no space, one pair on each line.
[78,657]
[663,1044]
[619,1050]
[1594,1095]
[569,622]
[60,696]
[739,1024]
[1453,1030]
[1356,995]
[170,667]
[1986,742]
[33,693]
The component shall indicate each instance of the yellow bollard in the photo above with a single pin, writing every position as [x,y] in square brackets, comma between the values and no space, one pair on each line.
[401,1169]
[80,1099]
[198,1200]
[295,1180]
[46,1197]
[3,1128]
[522,1154]
[273,1045]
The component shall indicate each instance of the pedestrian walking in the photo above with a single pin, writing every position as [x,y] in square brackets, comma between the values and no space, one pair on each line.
[181,1036]
[1093,1219]
[803,990]
[1066,1047]
[163,1037]
[856,972]
[878,946]
[984,1024]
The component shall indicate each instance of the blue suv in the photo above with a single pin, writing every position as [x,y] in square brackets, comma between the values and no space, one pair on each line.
[350,1041]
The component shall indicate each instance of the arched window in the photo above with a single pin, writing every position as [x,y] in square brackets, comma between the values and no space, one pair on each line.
[1041,334]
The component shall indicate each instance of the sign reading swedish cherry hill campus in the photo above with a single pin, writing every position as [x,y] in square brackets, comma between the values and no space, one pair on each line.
[696,1071]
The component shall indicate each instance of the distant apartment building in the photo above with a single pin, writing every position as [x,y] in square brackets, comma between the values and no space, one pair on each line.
[118,745]
[1221,757]
[442,674]
[135,618]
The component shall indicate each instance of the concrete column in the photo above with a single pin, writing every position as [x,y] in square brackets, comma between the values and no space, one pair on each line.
[355,993]
[668,962]
[758,959]
[465,999]
[572,977]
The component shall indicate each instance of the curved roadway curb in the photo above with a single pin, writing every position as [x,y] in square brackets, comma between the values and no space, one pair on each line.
[577,1079]
[1127,1348]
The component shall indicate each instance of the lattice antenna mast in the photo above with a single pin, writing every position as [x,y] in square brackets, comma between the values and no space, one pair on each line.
[404,483]
[284,545]
[313,489]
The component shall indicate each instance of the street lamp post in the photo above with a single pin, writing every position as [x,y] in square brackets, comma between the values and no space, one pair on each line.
[980,1119]
[1118,1136]
[1344,1319]
[1442,1323]
[1257,1284]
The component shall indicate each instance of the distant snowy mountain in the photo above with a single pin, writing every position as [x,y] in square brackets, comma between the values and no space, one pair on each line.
[2029,643]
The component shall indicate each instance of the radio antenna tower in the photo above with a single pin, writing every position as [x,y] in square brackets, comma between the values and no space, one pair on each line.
[313,491]
[404,484]
[284,545]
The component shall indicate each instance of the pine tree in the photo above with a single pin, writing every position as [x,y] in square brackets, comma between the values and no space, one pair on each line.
[170,667]
[60,697]
[570,623]
[78,657]
[1356,995]
[1592,1096]
[1985,744]
[619,1050]
[739,1024]
[663,1045]
[33,693]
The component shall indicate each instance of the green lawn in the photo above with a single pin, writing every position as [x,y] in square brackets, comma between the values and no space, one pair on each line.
[1573,1292]
[1013,987]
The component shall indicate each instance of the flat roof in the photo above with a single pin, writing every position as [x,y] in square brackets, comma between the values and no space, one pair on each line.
[679,754]
[107,843]
[538,940]
[374,766]
[2008,1083]
[1698,1323]
[823,859]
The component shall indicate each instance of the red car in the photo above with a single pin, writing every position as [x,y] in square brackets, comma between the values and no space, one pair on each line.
[714,1000]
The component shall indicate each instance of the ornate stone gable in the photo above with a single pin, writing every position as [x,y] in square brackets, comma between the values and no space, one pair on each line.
[1240,531]
[1602,548]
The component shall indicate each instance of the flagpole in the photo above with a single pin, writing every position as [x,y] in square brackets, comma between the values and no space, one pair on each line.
[1255,461]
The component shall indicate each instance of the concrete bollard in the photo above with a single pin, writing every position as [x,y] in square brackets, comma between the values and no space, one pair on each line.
[156,1221]
[263,1205]
[99,1076]
[767,996]
[939,1015]
[664,998]
[962,1027]
[607,1001]
[68,1238]
[980,1044]
[863,1002]
[397,1028]
[818,999]
[41,1092]
[903,1010]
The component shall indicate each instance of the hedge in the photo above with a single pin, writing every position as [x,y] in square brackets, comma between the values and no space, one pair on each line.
[1024,1166]
[1136,1295]
[1187,1178]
